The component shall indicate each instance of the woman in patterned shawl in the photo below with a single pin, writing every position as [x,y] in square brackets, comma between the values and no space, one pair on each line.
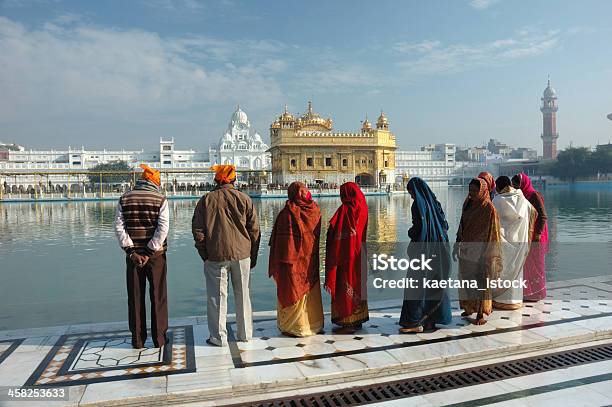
[478,249]
[294,264]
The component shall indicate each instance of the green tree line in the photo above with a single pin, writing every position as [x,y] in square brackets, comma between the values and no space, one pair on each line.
[119,171]
[580,162]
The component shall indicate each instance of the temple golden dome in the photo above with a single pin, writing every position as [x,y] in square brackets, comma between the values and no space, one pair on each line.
[286,116]
[382,122]
[310,118]
[367,126]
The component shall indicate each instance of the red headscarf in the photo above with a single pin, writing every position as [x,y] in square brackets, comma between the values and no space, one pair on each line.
[294,251]
[488,178]
[345,264]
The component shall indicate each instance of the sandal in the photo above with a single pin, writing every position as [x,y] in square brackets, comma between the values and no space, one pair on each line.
[413,330]
[507,307]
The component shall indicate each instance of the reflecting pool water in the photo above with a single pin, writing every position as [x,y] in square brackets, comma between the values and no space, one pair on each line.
[60,262]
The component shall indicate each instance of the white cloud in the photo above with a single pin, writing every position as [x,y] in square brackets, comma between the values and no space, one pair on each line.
[72,72]
[423,46]
[435,57]
[324,71]
[483,4]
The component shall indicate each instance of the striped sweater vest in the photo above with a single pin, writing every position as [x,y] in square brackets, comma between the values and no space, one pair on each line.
[140,213]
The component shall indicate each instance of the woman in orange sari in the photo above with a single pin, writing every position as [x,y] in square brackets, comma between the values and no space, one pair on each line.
[478,248]
[346,260]
[294,264]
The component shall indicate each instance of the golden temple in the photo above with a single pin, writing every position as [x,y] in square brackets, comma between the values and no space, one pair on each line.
[307,149]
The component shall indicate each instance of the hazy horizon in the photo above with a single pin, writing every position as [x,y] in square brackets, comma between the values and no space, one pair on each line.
[121,75]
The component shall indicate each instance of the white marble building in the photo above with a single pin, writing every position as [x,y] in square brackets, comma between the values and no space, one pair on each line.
[241,145]
[433,163]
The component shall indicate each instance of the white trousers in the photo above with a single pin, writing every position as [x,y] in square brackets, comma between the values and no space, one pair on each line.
[216,274]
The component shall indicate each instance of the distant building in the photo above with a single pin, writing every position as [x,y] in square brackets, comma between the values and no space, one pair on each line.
[306,149]
[434,162]
[5,148]
[497,147]
[549,123]
[524,153]
[241,145]
[478,154]
[10,147]
[604,147]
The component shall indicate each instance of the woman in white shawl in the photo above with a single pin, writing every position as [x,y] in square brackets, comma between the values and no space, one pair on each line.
[517,217]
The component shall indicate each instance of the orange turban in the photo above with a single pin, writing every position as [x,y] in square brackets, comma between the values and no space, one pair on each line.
[224,174]
[151,174]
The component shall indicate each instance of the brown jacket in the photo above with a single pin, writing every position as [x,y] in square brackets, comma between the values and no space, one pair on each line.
[225,226]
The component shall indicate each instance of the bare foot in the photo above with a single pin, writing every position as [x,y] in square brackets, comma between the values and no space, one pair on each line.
[413,330]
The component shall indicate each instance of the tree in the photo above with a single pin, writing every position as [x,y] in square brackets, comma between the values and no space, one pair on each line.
[115,172]
[602,159]
[573,163]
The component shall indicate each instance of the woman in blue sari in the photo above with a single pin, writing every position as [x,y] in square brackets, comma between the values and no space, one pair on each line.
[423,308]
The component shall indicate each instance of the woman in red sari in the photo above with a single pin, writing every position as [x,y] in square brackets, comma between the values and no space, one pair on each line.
[534,270]
[294,264]
[346,259]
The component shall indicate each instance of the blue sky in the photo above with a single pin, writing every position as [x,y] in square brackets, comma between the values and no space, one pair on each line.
[122,74]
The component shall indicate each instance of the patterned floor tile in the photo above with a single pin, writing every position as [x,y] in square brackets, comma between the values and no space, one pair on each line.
[380,333]
[7,347]
[92,358]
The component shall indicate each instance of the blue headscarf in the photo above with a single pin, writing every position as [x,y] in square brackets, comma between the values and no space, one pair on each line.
[434,227]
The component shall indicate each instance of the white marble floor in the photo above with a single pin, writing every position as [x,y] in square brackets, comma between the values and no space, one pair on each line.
[98,365]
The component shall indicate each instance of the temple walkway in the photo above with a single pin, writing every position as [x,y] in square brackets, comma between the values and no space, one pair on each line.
[99,367]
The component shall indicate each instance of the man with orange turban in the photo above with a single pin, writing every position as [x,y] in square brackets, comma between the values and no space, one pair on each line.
[226,233]
[224,174]
[141,226]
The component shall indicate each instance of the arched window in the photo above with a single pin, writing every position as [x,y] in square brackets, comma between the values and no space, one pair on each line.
[244,162]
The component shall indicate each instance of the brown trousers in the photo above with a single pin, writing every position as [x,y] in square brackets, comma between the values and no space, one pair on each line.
[155,272]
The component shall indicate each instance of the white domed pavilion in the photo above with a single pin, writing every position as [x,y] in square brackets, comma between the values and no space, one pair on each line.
[241,145]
